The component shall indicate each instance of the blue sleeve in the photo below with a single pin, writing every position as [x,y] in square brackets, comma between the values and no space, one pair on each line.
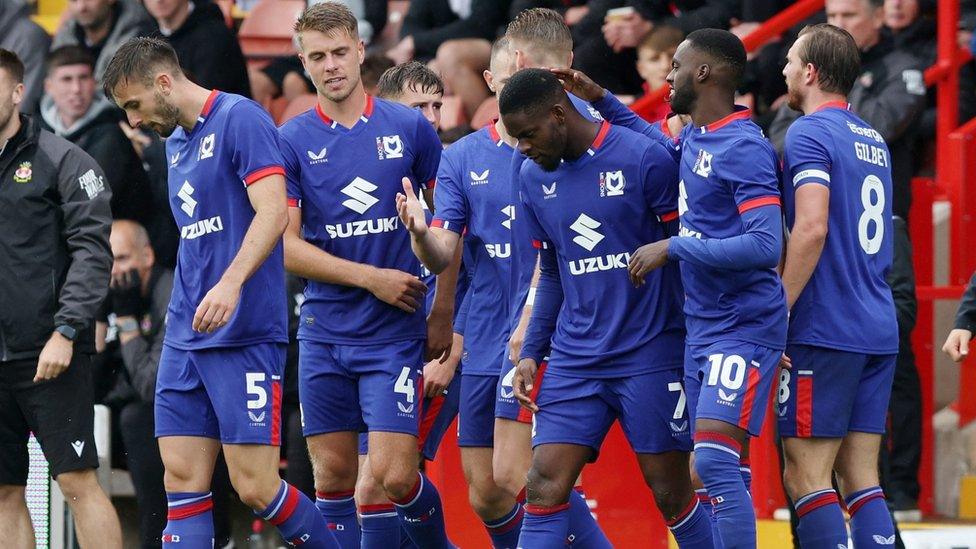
[750,168]
[759,247]
[619,114]
[461,318]
[806,154]
[545,310]
[254,139]
[293,173]
[428,154]
[450,201]
[660,172]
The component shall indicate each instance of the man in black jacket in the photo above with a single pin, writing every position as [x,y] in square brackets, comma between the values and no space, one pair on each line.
[54,272]
[208,51]
[957,344]
[72,109]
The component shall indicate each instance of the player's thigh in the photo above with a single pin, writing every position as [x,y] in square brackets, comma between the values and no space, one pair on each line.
[393,459]
[327,390]
[14,430]
[857,461]
[870,411]
[335,463]
[389,384]
[555,468]
[476,413]
[439,413]
[188,462]
[653,411]
[245,387]
[808,464]
[368,491]
[737,378]
[60,413]
[815,398]
[253,469]
[182,407]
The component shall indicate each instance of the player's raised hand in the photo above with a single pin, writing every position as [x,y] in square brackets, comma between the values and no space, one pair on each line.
[647,258]
[402,290]
[957,344]
[523,383]
[217,307]
[578,84]
[410,210]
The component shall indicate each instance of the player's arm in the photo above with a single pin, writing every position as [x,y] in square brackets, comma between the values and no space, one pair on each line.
[758,247]
[440,319]
[957,344]
[517,338]
[267,198]
[305,260]
[538,334]
[806,239]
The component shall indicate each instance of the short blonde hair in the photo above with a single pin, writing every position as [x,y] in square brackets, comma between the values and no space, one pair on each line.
[327,18]
[541,29]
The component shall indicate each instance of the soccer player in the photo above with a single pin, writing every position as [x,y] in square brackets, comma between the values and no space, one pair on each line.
[219,381]
[843,333]
[362,325]
[415,85]
[729,245]
[592,193]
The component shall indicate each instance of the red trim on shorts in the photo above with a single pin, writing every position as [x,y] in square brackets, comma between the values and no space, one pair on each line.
[749,398]
[828,498]
[191,510]
[718,438]
[754,203]
[430,184]
[275,413]
[541,510]
[670,216]
[804,406]
[287,508]
[428,418]
[524,415]
[261,173]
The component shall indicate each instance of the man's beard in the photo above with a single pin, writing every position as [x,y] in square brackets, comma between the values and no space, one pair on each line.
[169,116]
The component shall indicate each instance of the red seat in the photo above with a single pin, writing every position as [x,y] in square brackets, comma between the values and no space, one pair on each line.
[268,29]
[487,111]
[297,106]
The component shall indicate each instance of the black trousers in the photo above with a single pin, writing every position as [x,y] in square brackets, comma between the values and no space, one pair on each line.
[146,467]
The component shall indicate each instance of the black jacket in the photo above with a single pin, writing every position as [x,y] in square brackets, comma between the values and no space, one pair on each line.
[966,316]
[55,257]
[431,23]
[209,52]
[890,96]
[99,135]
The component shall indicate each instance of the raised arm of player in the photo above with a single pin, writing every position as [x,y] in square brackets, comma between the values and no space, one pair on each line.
[434,246]
[267,197]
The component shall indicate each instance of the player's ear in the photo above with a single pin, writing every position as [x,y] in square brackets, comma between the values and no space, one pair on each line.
[489,80]
[810,74]
[703,72]
[558,113]
[163,82]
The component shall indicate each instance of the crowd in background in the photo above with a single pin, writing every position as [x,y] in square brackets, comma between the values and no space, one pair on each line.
[624,45]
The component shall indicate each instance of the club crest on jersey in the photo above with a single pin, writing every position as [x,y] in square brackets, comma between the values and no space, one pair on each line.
[612,183]
[479,178]
[206,147]
[389,147]
[703,164]
[23,173]
[317,158]
[549,191]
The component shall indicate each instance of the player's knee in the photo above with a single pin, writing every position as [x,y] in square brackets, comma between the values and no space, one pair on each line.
[509,478]
[671,492]
[78,484]
[333,474]
[398,483]
[368,491]
[545,487]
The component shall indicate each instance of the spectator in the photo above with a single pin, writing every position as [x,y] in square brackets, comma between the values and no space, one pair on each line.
[73,110]
[29,41]
[654,55]
[101,26]
[207,49]
[605,41]
[54,272]
[372,69]
[129,336]
[957,344]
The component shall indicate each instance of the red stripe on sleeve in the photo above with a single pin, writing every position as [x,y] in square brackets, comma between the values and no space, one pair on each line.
[670,216]
[754,203]
[261,173]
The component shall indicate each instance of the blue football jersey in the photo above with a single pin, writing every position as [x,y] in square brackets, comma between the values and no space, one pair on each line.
[473,198]
[847,304]
[345,180]
[233,144]
[593,212]
[728,168]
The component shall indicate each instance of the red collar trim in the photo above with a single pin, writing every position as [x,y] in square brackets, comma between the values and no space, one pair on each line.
[834,105]
[493,131]
[600,136]
[208,105]
[367,111]
[739,114]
